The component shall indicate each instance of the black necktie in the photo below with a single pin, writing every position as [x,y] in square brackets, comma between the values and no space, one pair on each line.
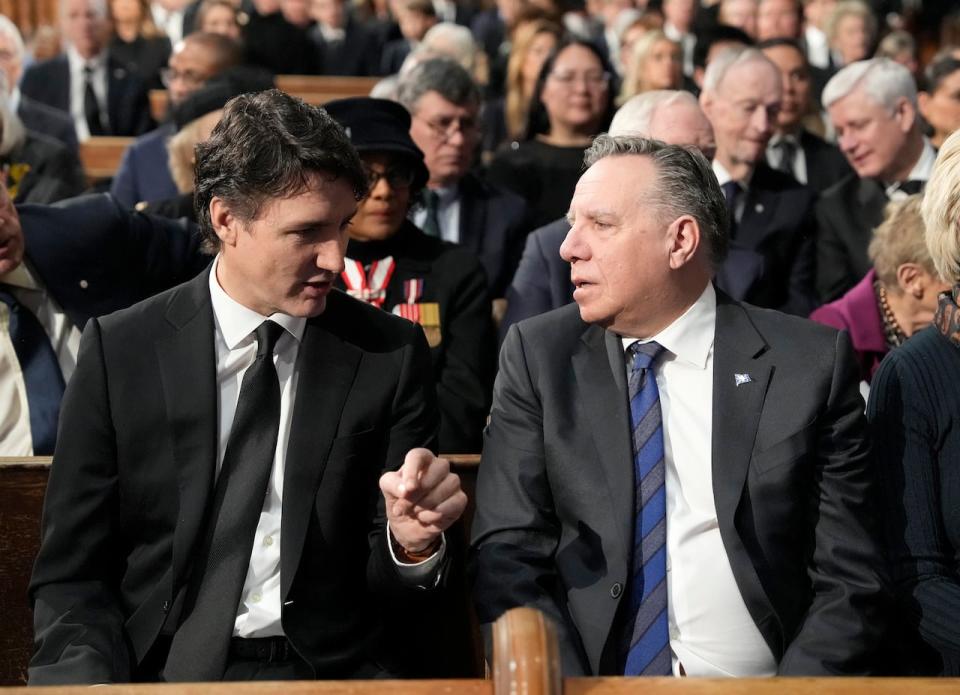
[41,373]
[431,225]
[731,193]
[788,151]
[201,644]
[91,107]
[911,187]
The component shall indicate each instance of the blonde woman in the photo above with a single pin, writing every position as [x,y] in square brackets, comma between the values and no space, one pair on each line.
[656,62]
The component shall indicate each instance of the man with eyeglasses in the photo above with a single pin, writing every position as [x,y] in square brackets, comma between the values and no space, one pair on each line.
[143,174]
[394,265]
[101,95]
[444,102]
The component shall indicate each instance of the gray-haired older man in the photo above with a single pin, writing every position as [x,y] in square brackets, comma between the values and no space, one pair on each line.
[873,106]
[678,480]
[444,103]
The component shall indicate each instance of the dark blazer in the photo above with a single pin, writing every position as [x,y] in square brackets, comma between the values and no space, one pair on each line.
[134,471]
[826,164]
[464,359]
[144,171]
[542,281]
[127,107]
[54,170]
[493,224]
[95,257]
[770,261]
[273,43]
[394,53]
[358,54]
[846,213]
[555,494]
[48,121]
[145,57]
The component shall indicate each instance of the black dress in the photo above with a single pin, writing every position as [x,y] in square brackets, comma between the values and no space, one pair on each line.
[145,57]
[544,175]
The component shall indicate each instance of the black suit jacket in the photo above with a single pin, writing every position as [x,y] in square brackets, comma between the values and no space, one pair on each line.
[826,165]
[134,471]
[770,261]
[48,121]
[54,170]
[791,484]
[95,257]
[357,54]
[127,108]
[846,216]
[493,224]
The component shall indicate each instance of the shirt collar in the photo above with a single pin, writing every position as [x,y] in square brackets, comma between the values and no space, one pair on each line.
[20,277]
[723,176]
[237,322]
[690,337]
[783,137]
[924,167]
[78,62]
[14,99]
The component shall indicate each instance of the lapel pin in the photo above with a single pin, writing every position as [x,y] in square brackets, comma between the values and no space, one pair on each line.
[759,208]
[739,379]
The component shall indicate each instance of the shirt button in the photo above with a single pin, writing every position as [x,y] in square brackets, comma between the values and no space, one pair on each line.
[255,598]
[268,541]
[616,590]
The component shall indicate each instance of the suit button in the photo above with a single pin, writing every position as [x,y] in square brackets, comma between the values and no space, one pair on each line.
[84,284]
[166,607]
[616,590]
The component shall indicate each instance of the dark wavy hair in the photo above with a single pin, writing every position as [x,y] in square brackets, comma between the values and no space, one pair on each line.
[266,146]
[538,121]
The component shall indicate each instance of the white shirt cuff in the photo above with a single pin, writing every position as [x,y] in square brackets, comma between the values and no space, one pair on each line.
[423,574]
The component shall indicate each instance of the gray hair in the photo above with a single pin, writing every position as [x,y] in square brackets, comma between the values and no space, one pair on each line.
[637,113]
[730,58]
[941,210]
[98,6]
[453,41]
[10,30]
[883,80]
[14,133]
[444,76]
[686,185]
[848,8]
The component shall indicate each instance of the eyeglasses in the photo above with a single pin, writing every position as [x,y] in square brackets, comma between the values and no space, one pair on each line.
[192,79]
[593,79]
[396,176]
[444,128]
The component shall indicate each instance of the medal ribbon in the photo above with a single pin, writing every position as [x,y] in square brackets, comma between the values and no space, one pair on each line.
[368,287]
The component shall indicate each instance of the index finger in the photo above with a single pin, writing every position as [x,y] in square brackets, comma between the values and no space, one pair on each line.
[414,464]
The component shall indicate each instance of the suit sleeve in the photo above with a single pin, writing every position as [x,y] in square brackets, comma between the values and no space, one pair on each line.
[124,183]
[922,557]
[833,277]
[847,613]
[516,531]
[529,293]
[802,294]
[78,622]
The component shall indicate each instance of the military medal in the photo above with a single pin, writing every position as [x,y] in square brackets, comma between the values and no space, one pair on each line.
[427,314]
[369,287]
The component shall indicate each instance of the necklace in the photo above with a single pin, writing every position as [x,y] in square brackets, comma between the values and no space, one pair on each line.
[891,329]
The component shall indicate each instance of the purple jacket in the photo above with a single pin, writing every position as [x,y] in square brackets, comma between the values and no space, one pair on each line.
[858,313]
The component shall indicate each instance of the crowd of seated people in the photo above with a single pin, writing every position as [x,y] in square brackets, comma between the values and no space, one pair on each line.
[472,178]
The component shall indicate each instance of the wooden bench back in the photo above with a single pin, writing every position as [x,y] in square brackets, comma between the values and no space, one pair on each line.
[100,156]
[313,89]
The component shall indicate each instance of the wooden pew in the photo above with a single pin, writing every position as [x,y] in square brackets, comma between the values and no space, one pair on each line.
[313,89]
[23,482]
[100,156]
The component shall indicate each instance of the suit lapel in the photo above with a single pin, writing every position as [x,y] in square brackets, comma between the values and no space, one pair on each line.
[473,217]
[757,213]
[187,364]
[737,404]
[326,367]
[601,389]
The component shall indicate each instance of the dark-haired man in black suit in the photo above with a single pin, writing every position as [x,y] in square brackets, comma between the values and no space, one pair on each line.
[102,96]
[213,510]
[793,149]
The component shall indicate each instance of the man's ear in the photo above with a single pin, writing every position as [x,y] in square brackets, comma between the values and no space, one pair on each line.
[906,114]
[683,235]
[225,224]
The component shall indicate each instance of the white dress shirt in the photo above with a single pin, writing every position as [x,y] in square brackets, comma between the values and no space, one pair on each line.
[78,87]
[15,436]
[259,611]
[170,22]
[448,213]
[711,631]
[818,49]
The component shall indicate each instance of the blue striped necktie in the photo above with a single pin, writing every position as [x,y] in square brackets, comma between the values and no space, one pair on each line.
[649,650]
